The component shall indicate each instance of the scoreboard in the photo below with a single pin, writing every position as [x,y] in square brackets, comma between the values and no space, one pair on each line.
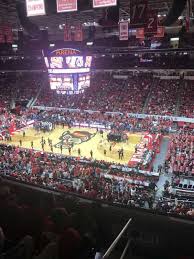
[68,62]
[68,71]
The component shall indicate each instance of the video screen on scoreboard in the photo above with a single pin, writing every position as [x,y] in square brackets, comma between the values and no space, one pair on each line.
[61,83]
[68,62]
[83,81]
[69,83]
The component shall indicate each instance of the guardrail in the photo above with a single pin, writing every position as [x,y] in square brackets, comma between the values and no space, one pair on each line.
[115,242]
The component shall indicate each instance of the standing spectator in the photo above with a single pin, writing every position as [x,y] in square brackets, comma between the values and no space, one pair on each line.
[159,168]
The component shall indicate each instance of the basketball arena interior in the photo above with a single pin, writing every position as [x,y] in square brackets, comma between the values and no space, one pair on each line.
[96,129]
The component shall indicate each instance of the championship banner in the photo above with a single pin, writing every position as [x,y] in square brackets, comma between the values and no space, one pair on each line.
[160,32]
[78,36]
[8,33]
[67,33]
[2,36]
[140,33]
[138,13]
[152,22]
[124,30]
[104,3]
[188,15]
[66,6]
[35,7]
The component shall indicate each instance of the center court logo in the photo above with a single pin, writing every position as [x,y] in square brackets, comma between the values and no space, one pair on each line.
[69,139]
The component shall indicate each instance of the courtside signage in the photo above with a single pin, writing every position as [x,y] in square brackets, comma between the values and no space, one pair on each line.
[35,7]
[104,3]
[66,6]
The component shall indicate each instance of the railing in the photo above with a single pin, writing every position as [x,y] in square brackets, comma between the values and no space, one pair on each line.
[115,242]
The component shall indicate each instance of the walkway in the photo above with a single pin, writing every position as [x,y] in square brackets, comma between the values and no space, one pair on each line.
[159,160]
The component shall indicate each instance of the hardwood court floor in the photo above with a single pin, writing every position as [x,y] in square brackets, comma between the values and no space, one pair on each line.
[84,138]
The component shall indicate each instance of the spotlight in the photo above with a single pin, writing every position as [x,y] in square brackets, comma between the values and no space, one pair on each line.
[89,43]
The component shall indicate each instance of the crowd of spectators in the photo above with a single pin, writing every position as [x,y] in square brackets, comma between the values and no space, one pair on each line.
[179,160]
[105,94]
[178,193]
[175,207]
[186,108]
[10,121]
[136,94]
[90,179]
[18,87]
[141,93]
[163,98]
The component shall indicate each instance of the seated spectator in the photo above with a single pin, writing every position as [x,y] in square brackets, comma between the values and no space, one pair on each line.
[65,241]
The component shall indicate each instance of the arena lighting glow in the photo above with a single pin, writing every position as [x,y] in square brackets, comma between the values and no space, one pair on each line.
[14,45]
[52,45]
[174,39]
[89,43]
[68,71]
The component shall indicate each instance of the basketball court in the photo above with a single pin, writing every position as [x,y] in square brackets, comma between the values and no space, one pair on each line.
[85,139]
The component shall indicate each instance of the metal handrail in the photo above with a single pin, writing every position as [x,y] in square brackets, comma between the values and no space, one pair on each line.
[113,245]
[125,249]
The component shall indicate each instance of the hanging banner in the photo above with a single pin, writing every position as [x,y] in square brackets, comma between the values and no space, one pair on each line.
[2,36]
[67,33]
[8,33]
[104,3]
[160,32]
[140,33]
[66,6]
[78,36]
[188,15]
[152,22]
[124,30]
[138,13]
[35,7]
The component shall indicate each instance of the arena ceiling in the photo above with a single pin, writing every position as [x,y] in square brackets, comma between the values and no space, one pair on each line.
[54,22]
